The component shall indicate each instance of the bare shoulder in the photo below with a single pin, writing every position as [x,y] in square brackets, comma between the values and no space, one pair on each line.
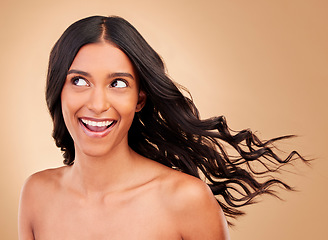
[196,211]
[40,185]
[43,179]
[34,191]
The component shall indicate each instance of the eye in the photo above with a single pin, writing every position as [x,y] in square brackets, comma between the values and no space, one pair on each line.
[79,81]
[119,83]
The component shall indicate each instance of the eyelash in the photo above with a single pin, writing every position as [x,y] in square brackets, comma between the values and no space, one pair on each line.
[77,78]
[121,80]
[74,79]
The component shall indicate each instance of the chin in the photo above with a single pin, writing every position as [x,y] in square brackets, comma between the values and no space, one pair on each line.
[99,150]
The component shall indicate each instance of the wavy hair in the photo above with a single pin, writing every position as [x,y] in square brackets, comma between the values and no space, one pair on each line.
[169,129]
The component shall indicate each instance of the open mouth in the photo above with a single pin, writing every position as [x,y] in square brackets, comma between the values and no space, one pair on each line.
[98,126]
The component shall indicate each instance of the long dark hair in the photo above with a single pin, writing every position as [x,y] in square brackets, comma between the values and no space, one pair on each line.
[168,129]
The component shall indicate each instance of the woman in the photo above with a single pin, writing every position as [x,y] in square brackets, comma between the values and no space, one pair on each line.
[137,154]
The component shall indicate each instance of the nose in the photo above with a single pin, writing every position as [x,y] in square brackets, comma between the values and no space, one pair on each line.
[98,101]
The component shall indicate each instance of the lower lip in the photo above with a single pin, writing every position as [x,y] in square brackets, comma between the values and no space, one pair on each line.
[96,134]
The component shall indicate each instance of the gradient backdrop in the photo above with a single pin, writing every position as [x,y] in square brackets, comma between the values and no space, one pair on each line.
[262,64]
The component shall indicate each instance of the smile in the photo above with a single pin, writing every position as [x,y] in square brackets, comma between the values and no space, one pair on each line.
[97,128]
[97,124]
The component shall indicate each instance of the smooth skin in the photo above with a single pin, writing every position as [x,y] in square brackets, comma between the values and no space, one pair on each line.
[111,192]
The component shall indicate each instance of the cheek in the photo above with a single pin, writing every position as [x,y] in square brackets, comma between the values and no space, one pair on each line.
[66,114]
[125,104]
[69,103]
[66,111]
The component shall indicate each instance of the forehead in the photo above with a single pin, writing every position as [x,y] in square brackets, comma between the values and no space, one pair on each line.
[102,56]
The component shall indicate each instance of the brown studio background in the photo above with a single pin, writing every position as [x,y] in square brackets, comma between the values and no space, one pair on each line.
[262,64]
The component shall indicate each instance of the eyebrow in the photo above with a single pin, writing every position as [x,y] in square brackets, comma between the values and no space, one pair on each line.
[111,75]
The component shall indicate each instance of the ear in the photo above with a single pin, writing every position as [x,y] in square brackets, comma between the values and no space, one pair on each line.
[141,100]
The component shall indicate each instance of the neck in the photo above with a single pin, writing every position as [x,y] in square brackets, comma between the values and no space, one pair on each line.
[103,174]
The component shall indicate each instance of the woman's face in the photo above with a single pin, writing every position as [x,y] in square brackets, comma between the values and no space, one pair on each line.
[99,99]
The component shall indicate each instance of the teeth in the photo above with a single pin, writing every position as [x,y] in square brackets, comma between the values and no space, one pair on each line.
[98,124]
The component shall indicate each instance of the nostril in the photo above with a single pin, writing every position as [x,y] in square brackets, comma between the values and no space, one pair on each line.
[98,102]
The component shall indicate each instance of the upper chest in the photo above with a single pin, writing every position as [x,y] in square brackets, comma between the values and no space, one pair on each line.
[139,214]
